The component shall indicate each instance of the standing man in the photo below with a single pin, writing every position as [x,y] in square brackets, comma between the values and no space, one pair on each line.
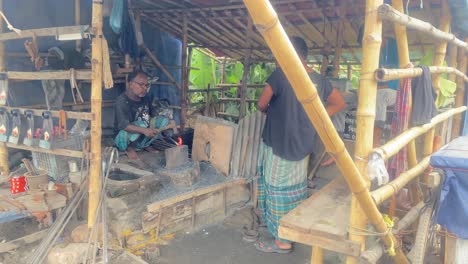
[134,126]
[288,140]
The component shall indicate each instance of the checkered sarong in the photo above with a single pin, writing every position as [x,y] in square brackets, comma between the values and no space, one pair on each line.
[282,186]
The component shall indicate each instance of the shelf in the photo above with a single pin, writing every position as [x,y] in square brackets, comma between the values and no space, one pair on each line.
[60,152]
[44,32]
[49,75]
[38,112]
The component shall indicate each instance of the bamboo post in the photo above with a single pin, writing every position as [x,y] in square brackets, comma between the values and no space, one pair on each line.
[77,22]
[350,72]
[338,49]
[243,88]
[442,47]
[272,31]
[460,93]
[453,60]
[5,169]
[317,255]
[96,108]
[184,63]
[365,116]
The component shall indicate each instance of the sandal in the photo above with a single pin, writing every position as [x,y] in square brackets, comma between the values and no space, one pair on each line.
[271,247]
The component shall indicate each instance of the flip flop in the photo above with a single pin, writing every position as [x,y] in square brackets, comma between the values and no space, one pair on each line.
[271,247]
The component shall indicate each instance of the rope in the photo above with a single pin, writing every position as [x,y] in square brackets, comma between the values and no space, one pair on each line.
[9,25]
[106,68]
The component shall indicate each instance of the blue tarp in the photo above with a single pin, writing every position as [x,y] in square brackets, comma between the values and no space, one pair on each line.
[453,208]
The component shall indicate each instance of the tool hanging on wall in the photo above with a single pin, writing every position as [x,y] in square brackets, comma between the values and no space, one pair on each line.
[29,139]
[15,127]
[47,130]
[4,125]
[3,88]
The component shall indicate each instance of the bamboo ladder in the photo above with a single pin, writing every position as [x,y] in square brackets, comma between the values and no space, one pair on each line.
[267,23]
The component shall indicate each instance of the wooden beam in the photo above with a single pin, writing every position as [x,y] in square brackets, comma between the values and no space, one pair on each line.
[22,241]
[160,66]
[182,197]
[96,108]
[44,32]
[60,152]
[185,81]
[36,112]
[49,75]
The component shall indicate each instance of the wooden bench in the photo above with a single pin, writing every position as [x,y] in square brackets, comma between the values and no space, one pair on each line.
[322,220]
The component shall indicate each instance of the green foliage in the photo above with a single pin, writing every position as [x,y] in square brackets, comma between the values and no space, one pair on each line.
[206,70]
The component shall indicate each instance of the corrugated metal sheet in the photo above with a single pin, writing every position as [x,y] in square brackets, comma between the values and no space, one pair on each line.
[247,140]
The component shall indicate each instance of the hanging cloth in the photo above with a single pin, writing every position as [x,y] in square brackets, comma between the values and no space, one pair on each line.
[116,17]
[400,124]
[424,96]
[127,41]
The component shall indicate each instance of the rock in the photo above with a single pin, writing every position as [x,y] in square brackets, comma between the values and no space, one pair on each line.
[184,176]
[176,156]
[71,254]
[81,233]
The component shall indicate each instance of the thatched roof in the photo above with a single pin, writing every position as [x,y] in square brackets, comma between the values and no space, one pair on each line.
[223,25]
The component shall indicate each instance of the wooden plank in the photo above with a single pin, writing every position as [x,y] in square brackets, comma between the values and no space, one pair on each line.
[49,75]
[20,242]
[323,214]
[347,247]
[37,112]
[44,32]
[170,201]
[60,152]
[450,246]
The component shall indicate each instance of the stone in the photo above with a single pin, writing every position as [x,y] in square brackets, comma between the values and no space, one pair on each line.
[184,176]
[80,233]
[71,254]
[176,156]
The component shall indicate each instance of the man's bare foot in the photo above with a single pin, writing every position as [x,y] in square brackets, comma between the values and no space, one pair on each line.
[283,245]
[131,154]
[151,150]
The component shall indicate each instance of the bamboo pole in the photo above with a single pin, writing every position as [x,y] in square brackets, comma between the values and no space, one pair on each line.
[4,168]
[338,50]
[396,144]
[441,49]
[350,72]
[383,74]
[243,89]
[460,93]
[77,22]
[185,82]
[386,12]
[96,108]
[389,189]
[401,37]
[365,116]
[317,255]
[453,61]
[269,26]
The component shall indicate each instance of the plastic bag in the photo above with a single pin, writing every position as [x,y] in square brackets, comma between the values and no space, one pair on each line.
[116,17]
[376,169]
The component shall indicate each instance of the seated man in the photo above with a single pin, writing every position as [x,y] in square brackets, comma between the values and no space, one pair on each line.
[134,126]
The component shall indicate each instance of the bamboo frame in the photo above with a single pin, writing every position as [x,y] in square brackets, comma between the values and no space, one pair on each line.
[396,144]
[184,69]
[365,116]
[386,12]
[160,66]
[44,32]
[77,22]
[60,152]
[391,188]
[460,93]
[48,75]
[96,107]
[266,19]
[70,114]
[383,74]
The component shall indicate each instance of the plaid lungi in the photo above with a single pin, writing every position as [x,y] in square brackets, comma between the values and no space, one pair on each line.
[282,186]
